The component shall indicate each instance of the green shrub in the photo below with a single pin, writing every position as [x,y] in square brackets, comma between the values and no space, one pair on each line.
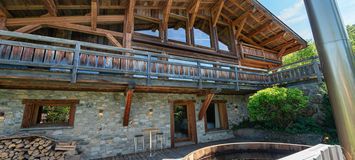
[304,125]
[276,107]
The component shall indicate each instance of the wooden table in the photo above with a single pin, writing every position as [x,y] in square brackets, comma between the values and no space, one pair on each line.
[150,130]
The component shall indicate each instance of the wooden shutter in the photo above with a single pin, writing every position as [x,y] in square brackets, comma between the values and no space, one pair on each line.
[223,115]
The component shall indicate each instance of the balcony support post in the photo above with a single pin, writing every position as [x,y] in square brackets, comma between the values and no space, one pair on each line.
[75,63]
[149,68]
[236,78]
[199,75]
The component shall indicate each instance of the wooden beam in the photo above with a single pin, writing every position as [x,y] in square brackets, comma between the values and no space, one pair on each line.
[84,29]
[25,29]
[241,17]
[166,14]
[128,102]
[205,105]
[113,40]
[193,13]
[260,29]
[128,27]
[216,11]
[191,6]
[273,38]
[240,27]
[3,23]
[284,48]
[109,19]
[3,11]
[248,40]
[279,47]
[51,7]
[29,28]
[293,49]
[147,18]
[94,13]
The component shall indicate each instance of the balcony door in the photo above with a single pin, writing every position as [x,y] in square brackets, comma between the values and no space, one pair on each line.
[183,122]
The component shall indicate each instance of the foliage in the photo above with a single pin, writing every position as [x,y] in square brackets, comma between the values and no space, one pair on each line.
[308,52]
[328,122]
[351,32]
[276,107]
[56,114]
[304,125]
[311,50]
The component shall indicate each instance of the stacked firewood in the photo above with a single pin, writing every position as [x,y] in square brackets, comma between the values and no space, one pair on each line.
[30,148]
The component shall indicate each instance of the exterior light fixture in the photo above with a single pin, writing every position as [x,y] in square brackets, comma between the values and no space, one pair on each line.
[150,111]
[101,113]
[235,107]
[2,115]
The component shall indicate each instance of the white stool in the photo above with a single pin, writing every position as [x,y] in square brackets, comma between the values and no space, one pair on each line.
[160,137]
[136,139]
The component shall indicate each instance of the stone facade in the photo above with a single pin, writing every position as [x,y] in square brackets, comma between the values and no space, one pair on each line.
[105,136]
[313,90]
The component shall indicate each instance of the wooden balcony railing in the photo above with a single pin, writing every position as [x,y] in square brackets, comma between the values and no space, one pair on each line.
[82,58]
[305,69]
[254,52]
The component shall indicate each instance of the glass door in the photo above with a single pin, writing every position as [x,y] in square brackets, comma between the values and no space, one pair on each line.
[183,122]
[181,125]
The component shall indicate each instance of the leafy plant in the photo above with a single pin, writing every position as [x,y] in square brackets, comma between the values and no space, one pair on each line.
[276,107]
[304,125]
[56,114]
[351,32]
[308,52]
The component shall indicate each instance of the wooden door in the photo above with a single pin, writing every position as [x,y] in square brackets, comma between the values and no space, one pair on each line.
[183,122]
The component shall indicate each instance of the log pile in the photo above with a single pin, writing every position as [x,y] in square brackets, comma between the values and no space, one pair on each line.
[21,148]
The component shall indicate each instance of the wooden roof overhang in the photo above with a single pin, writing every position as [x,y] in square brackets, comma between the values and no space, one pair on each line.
[251,22]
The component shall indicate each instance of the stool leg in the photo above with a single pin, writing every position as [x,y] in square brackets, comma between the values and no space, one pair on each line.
[143,143]
[161,142]
[135,144]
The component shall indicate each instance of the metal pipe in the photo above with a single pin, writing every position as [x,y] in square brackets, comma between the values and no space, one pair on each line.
[338,63]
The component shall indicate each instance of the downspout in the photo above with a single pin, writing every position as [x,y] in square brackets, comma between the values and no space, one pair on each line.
[338,64]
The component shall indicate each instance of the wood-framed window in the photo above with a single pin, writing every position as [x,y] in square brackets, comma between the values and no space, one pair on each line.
[216,117]
[48,113]
[224,39]
[202,33]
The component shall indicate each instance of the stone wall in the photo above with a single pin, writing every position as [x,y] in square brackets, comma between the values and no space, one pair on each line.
[105,136]
[315,95]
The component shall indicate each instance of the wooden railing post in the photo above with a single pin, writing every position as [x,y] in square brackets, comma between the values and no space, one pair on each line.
[149,68]
[236,78]
[199,75]
[75,63]
[268,76]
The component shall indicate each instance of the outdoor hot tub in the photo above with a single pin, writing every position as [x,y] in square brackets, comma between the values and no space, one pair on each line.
[246,150]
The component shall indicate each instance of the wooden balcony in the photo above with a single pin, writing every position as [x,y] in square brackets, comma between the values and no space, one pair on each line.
[54,59]
[258,53]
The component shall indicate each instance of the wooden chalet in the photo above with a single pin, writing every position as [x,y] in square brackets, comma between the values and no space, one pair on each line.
[200,51]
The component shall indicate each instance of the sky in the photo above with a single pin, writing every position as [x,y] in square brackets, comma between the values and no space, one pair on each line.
[293,13]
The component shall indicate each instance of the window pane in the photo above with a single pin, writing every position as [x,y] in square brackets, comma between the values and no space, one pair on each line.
[146,27]
[180,122]
[224,39]
[154,33]
[212,117]
[53,114]
[177,34]
[202,32]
